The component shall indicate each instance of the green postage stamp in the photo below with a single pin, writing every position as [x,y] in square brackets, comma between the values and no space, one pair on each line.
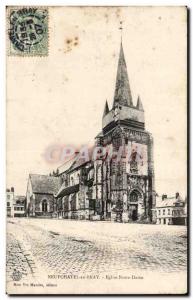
[27,31]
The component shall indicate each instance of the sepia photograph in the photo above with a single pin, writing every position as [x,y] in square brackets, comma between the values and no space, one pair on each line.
[96,150]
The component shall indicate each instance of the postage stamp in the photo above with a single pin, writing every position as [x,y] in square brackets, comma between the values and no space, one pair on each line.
[27,31]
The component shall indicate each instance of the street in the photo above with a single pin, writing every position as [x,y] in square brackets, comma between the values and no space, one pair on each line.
[51,246]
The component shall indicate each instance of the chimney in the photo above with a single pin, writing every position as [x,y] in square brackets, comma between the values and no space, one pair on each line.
[164,196]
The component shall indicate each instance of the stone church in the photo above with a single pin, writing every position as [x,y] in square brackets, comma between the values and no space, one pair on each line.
[117,183]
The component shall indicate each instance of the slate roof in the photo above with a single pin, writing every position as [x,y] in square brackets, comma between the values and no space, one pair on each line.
[44,184]
[77,163]
[20,198]
[122,89]
[74,163]
[65,167]
[168,202]
[100,134]
[64,191]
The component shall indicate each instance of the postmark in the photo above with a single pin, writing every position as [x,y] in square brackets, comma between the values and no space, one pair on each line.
[16,275]
[27,31]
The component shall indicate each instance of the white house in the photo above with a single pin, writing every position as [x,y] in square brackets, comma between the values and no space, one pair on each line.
[170,210]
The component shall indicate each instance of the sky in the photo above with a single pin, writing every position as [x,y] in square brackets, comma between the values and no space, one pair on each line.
[59,99]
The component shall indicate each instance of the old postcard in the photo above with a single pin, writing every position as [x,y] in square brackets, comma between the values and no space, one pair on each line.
[96,192]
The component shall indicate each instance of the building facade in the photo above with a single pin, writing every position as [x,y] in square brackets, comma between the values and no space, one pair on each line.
[10,202]
[171,210]
[40,195]
[16,205]
[20,206]
[75,197]
[117,183]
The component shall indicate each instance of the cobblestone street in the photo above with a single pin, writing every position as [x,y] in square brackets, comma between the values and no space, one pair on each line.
[76,247]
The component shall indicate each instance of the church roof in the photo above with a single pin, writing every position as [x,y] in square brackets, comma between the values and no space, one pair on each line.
[106,109]
[44,184]
[139,104]
[122,88]
[77,164]
[66,166]
[123,110]
[64,191]
[100,134]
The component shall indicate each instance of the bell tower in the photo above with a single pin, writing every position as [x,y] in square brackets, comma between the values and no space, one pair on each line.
[127,190]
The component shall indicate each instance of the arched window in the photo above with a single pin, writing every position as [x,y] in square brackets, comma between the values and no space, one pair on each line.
[44,206]
[91,174]
[133,197]
[78,178]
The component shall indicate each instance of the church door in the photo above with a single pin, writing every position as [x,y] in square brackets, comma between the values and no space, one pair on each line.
[134,213]
[133,206]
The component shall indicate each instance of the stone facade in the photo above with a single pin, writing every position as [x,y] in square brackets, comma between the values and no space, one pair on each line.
[118,182]
[44,204]
[40,195]
[75,197]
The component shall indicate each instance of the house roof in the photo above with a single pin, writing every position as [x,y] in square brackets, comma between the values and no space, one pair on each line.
[44,184]
[168,202]
[20,198]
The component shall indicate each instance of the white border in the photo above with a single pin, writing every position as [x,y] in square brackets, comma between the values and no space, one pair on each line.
[3,97]
[100,3]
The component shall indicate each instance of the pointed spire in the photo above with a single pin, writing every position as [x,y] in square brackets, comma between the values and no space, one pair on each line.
[139,104]
[106,110]
[122,89]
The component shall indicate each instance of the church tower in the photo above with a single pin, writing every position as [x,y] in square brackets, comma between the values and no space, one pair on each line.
[126,178]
